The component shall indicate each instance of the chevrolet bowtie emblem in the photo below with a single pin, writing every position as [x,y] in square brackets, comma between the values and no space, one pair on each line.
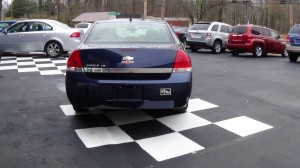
[128,60]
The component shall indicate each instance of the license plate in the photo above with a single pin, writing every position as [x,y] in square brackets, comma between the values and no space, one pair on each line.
[196,35]
[127,92]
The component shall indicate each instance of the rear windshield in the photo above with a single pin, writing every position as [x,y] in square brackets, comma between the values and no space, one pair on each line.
[130,33]
[239,29]
[200,26]
[62,25]
[82,25]
[295,29]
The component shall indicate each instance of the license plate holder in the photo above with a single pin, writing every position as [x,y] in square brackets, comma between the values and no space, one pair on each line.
[127,92]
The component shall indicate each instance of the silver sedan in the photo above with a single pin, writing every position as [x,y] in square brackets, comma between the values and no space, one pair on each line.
[39,35]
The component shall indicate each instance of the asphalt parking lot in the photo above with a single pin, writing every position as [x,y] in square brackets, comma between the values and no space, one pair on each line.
[244,112]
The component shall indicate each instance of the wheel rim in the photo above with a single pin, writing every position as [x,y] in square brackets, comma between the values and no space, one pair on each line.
[184,44]
[53,49]
[258,51]
[218,47]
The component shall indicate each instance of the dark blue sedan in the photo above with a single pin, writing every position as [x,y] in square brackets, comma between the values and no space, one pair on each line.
[131,64]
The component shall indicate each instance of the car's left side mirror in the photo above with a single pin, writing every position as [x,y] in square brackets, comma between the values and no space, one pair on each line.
[279,36]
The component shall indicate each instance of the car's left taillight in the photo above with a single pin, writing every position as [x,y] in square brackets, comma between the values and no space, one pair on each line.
[75,62]
[182,62]
[75,35]
[288,38]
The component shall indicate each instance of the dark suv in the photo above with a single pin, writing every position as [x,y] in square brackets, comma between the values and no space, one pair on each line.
[293,43]
[257,40]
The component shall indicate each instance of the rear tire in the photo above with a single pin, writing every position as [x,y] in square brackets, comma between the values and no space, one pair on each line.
[53,49]
[258,51]
[80,109]
[194,49]
[217,47]
[181,109]
[234,53]
[293,57]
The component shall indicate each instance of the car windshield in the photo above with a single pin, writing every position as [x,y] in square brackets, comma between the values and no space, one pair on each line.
[82,25]
[239,30]
[295,29]
[3,25]
[130,33]
[200,26]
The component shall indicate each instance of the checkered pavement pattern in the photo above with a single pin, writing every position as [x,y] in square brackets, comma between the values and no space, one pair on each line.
[162,136]
[41,65]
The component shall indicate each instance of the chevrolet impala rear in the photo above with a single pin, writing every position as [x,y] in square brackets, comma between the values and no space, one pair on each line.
[131,64]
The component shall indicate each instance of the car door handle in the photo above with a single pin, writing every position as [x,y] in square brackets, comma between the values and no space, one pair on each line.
[21,35]
[45,35]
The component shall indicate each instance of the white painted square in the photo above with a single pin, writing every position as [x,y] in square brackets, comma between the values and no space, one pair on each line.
[8,67]
[168,146]
[128,117]
[68,110]
[45,65]
[51,72]
[25,63]
[42,60]
[243,126]
[28,69]
[24,58]
[198,104]
[100,136]
[59,61]
[10,57]
[183,121]
[62,67]
[8,61]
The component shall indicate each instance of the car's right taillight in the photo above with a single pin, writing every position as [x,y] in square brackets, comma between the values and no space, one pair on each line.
[75,35]
[208,35]
[182,62]
[75,62]
[288,38]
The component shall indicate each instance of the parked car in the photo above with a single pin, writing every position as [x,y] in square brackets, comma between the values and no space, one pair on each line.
[210,35]
[181,33]
[39,35]
[6,24]
[83,26]
[123,63]
[257,40]
[293,43]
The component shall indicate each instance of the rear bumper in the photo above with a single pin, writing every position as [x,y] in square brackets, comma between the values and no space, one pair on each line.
[202,44]
[85,92]
[292,49]
[240,47]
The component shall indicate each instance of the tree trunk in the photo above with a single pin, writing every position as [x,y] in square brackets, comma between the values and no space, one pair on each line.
[1,16]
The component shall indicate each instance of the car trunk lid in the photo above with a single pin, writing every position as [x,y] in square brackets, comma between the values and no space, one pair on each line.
[128,62]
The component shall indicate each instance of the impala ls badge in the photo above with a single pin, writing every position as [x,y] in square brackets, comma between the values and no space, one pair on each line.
[165,91]
[128,60]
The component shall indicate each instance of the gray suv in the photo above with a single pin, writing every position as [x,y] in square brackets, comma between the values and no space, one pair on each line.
[210,35]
